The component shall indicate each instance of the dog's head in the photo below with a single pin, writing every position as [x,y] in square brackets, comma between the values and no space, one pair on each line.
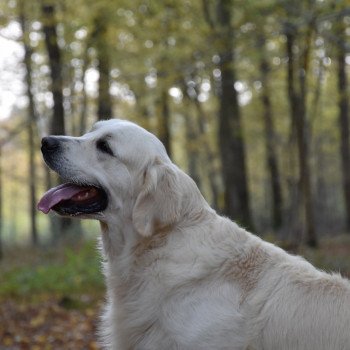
[117,168]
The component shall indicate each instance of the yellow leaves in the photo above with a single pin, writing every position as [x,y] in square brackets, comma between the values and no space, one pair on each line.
[46,325]
[93,346]
[37,321]
[8,341]
[36,347]
[90,312]
[41,339]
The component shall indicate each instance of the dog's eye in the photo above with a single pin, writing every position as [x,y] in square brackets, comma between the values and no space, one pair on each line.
[103,146]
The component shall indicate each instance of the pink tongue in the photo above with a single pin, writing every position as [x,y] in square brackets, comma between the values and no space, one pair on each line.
[58,194]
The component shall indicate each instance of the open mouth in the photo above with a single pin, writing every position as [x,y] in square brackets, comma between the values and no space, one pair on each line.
[72,199]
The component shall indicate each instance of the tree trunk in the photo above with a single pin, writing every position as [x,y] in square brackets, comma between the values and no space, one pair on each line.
[304,141]
[142,104]
[84,103]
[209,154]
[104,109]
[343,106]
[1,206]
[271,158]
[14,198]
[164,132]
[32,181]
[297,100]
[55,63]
[31,128]
[192,146]
[230,129]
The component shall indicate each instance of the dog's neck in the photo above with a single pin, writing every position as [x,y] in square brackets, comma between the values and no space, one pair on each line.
[119,234]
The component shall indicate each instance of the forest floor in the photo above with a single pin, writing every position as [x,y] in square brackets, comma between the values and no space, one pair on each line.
[51,298]
[47,325]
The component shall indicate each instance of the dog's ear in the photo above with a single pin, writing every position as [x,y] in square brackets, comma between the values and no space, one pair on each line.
[158,204]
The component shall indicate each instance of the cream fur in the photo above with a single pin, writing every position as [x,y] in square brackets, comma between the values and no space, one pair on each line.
[179,276]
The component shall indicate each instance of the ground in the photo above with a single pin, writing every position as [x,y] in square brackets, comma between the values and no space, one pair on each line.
[50,297]
[46,325]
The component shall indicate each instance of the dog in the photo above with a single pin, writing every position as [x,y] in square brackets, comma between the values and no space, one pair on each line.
[178,275]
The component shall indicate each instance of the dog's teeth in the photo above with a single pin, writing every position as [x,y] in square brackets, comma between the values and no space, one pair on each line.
[85,195]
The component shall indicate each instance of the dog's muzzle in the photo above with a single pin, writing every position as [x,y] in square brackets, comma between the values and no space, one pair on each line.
[71,198]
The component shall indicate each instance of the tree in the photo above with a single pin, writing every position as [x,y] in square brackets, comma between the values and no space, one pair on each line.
[343,115]
[55,62]
[100,36]
[163,115]
[297,70]
[269,130]
[196,128]
[192,142]
[231,137]
[1,205]
[32,119]
[83,111]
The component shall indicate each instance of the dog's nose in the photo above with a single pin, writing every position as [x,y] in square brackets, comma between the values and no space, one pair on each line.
[49,144]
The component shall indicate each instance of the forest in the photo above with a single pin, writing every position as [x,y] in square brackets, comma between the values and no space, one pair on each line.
[250,98]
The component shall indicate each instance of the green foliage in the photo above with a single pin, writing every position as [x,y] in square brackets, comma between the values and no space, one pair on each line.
[62,272]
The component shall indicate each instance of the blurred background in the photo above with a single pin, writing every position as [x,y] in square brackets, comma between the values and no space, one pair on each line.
[251,98]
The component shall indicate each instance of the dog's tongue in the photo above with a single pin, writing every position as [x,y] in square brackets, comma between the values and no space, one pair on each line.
[58,194]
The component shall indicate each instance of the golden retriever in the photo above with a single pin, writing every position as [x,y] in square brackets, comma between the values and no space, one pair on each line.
[178,275]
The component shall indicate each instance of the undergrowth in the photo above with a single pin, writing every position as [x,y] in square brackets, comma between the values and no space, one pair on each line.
[60,271]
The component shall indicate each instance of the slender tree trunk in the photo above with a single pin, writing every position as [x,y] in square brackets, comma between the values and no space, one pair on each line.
[84,103]
[209,155]
[83,112]
[297,100]
[142,105]
[13,204]
[1,206]
[203,143]
[70,109]
[31,129]
[32,182]
[104,109]
[304,136]
[231,137]
[343,106]
[164,132]
[192,146]
[271,161]
[104,98]
[55,63]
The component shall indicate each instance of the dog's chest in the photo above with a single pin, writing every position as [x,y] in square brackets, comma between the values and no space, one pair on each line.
[139,306]
[161,308]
